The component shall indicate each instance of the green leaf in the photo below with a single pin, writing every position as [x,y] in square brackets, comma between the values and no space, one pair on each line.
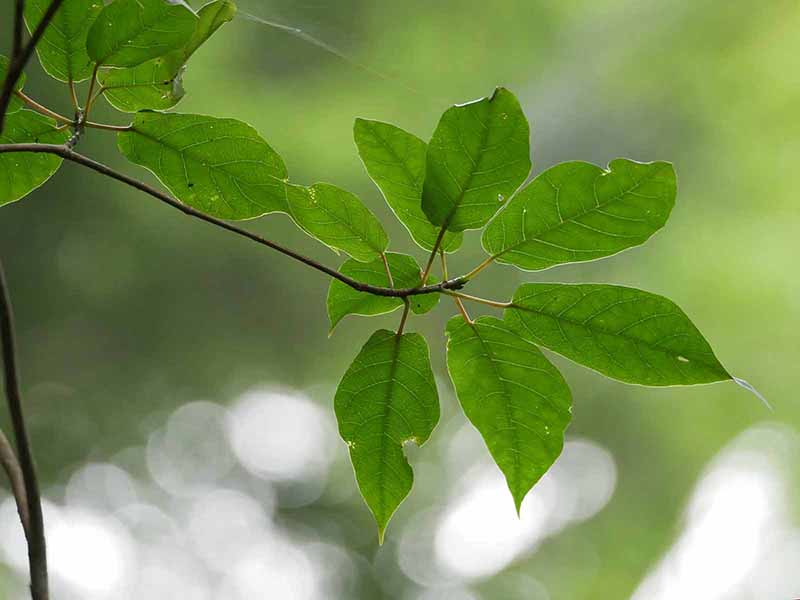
[23,172]
[155,85]
[158,84]
[395,160]
[344,300]
[220,166]
[130,32]
[62,49]
[338,219]
[622,332]
[576,211]
[387,398]
[478,157]
[210,17]
[15,104]
[513,395]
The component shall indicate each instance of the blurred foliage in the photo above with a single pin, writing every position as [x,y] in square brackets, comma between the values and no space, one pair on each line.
[126,309]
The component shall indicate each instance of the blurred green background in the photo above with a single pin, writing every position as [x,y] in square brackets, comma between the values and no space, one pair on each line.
[179,380]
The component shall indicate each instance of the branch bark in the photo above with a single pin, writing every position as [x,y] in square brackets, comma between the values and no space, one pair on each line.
[14,473]
[37,552]
[69,154]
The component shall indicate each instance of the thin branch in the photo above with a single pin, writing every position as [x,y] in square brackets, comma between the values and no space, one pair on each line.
[73,96]
[479,268]
[404,318]
[117,128]
[19,11]
[66,120]
[37,552]
[42,109]
[14,472]
[20,59]
[68,154]
[389,277]
[492,303]
[432,257]
[89,97]
[463,310]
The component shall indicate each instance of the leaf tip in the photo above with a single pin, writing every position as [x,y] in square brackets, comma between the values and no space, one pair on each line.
[750,388]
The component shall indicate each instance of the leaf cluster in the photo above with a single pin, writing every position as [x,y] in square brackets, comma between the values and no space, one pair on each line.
[470,175]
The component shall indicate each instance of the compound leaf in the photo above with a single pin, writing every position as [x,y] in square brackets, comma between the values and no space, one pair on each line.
[344,300]
[624,333]
[478,157]
[576,211]
[158,84]
[220,166]
[513,395]
[23,172]
[15,104]
[62,49]
[395,161]
[387,398]
[127,33]
[338,219]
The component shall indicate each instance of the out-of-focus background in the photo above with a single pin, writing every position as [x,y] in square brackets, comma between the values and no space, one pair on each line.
[179,380]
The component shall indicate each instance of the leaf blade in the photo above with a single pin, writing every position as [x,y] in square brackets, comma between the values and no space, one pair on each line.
[220,166]
[62,48]
[478,156]
[395,161]
[23,172]
[15,104]
[127,33]
[338,219]
[158,83]
[624,333]
[386,398]
[512,394]
[577,212]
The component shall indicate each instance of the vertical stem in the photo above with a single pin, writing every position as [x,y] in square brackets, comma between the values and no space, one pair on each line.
[19,11]
[388,270]
[404,318]
[456,297]
[37,552]
[73,95]
[14,473]
[436,246]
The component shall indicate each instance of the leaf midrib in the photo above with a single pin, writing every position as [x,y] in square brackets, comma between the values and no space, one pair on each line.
[575,217]
[514,305]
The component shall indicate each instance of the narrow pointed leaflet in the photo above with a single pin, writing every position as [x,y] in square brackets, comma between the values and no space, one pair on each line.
[395,161]
[576,212]
[478,156]
[513,395]
[624,333]
[386,399]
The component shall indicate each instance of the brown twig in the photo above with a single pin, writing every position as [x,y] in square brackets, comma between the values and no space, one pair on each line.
[69,154]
